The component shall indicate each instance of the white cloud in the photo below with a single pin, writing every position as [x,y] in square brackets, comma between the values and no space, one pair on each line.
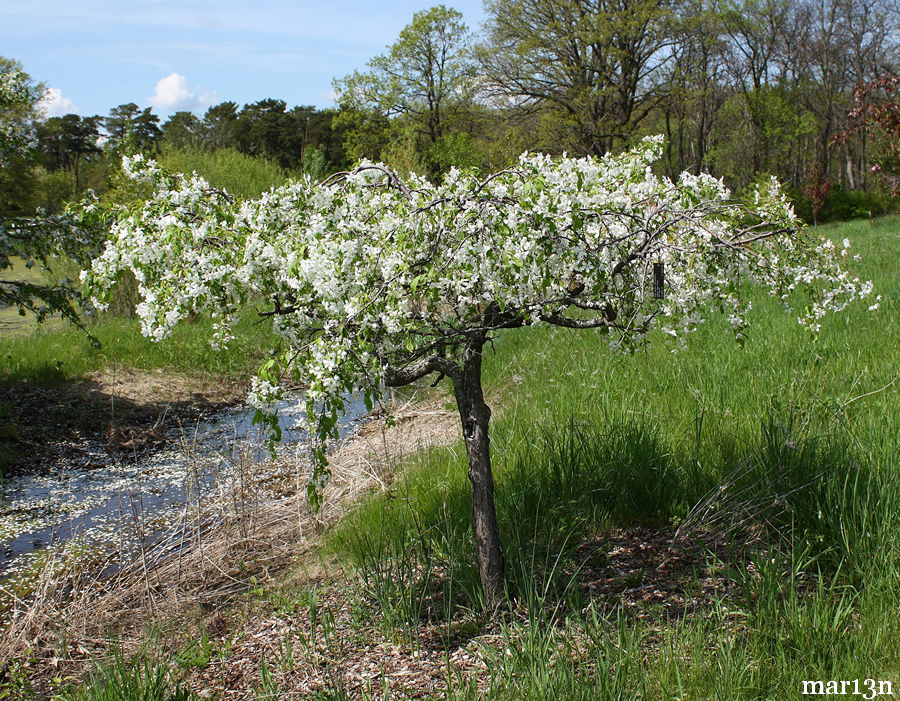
[53,104]
[173,94]
[329,96]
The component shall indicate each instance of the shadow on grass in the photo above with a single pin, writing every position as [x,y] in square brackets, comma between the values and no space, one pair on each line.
[553,491]
[559,492]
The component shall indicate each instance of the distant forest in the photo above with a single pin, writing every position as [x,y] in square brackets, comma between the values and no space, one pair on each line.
[803,90]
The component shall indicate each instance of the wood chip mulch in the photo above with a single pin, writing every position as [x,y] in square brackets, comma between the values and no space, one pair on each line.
[351,652]
[647,571]
[340,648]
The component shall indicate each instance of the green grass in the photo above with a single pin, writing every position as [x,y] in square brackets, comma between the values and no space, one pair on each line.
[138,679]
[801,431]
[56,354]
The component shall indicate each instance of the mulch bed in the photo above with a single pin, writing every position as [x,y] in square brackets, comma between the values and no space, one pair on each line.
[351,651]
[646,571]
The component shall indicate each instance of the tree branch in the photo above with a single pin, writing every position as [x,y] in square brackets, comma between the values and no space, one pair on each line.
[569,323]
[404,376]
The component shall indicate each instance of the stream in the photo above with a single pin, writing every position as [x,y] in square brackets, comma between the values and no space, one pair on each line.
[130,503]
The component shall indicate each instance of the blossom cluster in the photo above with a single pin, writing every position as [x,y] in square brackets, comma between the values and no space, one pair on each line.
[16,138]
[367,272]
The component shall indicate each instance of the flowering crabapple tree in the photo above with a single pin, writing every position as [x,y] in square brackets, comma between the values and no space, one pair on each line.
[876,113]
[376,282]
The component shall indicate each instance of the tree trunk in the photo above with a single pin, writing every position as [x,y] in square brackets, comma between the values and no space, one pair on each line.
[475,416]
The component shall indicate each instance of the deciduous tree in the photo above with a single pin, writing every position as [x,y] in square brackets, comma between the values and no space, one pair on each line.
[374,281]
[876,113]
[424,77]
[18,103]
[28,240]
[595,63]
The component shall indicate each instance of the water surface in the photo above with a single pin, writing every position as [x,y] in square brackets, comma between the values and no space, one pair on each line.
[130,502]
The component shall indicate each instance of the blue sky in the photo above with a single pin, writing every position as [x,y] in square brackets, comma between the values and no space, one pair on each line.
[171,55]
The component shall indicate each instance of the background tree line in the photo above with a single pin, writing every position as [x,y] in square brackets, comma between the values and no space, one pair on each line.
[740,88]
[73,153]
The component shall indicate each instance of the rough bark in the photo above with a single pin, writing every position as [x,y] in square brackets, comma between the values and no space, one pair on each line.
[475,416]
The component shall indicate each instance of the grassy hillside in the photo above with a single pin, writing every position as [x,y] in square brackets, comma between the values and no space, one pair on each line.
[790,444]
[54,354]
[238,174]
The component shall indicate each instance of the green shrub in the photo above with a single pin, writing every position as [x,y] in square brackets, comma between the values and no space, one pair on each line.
[844,204]
[241,175]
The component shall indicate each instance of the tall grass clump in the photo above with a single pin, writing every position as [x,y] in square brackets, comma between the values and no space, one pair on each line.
[811,492]
[551,494]
[573,480]
[138,679]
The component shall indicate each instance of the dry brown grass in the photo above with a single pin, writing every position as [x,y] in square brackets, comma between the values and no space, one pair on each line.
[257,529]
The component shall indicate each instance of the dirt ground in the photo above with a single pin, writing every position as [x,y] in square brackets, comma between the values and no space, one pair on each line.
[126,410]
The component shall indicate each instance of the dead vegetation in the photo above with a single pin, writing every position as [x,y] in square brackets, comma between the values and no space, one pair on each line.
[217,553]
